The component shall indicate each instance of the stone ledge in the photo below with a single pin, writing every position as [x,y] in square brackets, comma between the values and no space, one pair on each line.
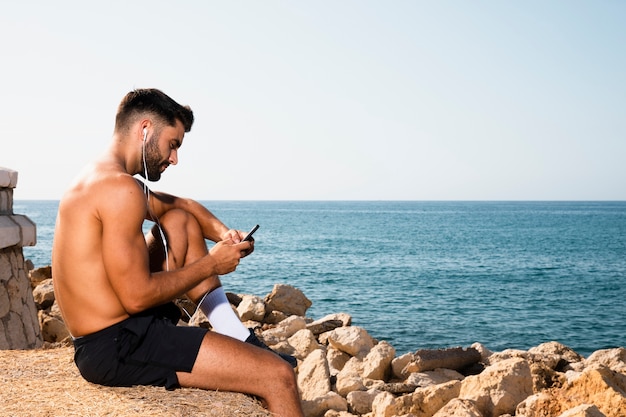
[6,201]
[17,230]
[8,178]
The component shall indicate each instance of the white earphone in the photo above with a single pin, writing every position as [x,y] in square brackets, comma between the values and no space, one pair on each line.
[147,193]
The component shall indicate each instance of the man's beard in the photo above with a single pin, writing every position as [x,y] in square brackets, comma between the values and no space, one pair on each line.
[152,161]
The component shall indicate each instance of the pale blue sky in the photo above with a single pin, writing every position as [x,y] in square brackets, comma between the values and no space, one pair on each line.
[375,100]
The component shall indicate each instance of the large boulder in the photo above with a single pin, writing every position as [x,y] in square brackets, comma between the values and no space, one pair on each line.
[500,387]
[424,402]
[597,384]
[251,307]
[288,300]
[459,408]
[353,340]
[377,363]
[611,358]
[430,359]
[314,376]
[43,294]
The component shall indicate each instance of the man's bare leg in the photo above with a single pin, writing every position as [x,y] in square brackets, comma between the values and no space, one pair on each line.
[226,364]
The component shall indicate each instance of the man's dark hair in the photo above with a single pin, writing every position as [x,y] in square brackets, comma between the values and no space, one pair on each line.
[155,102]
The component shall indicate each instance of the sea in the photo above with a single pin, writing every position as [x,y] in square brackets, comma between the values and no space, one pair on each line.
[430,275]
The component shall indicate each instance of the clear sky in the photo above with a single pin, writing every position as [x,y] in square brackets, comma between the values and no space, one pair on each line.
[328,100]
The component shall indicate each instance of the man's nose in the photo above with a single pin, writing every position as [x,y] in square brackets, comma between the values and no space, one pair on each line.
[173,160]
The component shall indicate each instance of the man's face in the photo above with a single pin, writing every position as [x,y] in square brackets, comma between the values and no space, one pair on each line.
[162,149]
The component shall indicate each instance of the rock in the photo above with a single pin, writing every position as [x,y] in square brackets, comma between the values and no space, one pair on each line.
[274,317]
[583,410]
[555,348]
[287,299]
[453,358]
[597,385]
[199,319]
[438,376]
[539,404]
[39,274]
[505,355]
[399,364]
[383,402]
[547,361]
[322,326]
[251,308]
[349,378]
[29,265]
[484,352]
[336,359]
[360,402]
[377,363]
[347,383]
[319,406]
[396,388]
[284,330]
[234,299]
[333,413]
[53,329]
[544,376]
[500,388]
[187,307]
[614,359]
[43,294]
[353,340]
[314,376]
[459,408]
[344,318]
[284,347]
[423,402]
[303,342]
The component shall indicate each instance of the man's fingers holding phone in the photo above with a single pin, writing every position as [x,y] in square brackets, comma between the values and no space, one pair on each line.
[249,239]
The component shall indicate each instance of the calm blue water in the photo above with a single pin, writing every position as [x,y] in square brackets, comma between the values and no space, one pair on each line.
[435,274]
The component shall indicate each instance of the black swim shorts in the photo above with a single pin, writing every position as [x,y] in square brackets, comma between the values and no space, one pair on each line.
[145,349]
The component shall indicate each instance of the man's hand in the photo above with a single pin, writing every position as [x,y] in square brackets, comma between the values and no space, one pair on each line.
[226,255]
[236,236]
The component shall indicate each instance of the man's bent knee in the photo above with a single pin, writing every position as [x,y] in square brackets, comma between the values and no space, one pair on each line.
[176,219]
[284,374]
[174,234]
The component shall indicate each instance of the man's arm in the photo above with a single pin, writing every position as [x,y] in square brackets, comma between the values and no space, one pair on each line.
[212,227]
[122,209]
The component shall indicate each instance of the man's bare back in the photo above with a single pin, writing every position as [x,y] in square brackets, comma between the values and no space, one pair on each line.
[93,305]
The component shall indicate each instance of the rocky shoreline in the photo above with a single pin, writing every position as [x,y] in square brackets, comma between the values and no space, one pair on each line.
[343,372]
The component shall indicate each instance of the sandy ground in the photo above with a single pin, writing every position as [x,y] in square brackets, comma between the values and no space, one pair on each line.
[46,383]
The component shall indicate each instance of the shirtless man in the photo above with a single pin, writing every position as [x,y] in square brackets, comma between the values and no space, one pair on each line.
[115,287]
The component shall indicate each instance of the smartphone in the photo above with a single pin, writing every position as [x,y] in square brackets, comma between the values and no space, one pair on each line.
[249,235]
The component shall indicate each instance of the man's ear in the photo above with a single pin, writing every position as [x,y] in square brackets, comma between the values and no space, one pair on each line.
[145,126]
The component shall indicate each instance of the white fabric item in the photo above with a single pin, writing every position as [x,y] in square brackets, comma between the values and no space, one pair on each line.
[220,314]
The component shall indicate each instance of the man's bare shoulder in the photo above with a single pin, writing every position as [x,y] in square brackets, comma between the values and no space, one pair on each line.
[101,185]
